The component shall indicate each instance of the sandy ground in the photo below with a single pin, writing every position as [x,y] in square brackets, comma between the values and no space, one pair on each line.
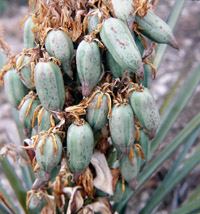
[187,33]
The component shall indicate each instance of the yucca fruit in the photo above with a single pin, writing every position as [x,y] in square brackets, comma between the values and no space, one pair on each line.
[89,90]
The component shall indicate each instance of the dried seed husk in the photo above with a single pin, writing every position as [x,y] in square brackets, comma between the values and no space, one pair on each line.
[14,88]
[25,71]
[120,43]
[145,108]
[88,61]
[27,121]
[49,85]
[156,29]
[36,203]
[122,129]
[47,156]
[97,118]
[80,143]
[29,36]
[129,170]
[146,146]
[59,45]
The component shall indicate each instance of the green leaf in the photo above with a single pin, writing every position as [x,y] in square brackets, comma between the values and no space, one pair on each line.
[163,189]
[172,20]
[7,199]
[190,208]
[4,210]
[14,181]
[183,97]
[195,195]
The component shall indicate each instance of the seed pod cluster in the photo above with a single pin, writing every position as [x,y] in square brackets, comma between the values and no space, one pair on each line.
[82,89]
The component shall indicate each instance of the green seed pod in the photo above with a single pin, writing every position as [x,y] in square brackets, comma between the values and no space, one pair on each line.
[59,45]
[118,40]
[118,194]
[29,36]
[145,108]
[148,74]
[156,29]
[48,152]
[97,118]
[122,9]
[112,159]
[114,67]
[45,123]
[127,170]
[146,146]
[80,142]
[37,202]
[25,72]
[92,21]
[26,114]
[2,59]
[139,43]
[49,85]
[14,88]
[88,60]
[122,129]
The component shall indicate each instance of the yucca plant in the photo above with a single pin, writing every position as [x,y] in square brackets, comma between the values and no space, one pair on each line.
[88,123]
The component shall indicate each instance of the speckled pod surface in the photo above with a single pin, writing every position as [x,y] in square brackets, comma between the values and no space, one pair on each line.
[97,118]
[148,76]
[45,121]
[92,22]
[46,155]
[14,88]
[27,121]
[121,124]
[146,146]
[29,36]
[128,171]
[145,108]
[118,40]
[80,143]
[36,203]
[25,72]
[59,45]
[49,85]
[88,61]
[156,29]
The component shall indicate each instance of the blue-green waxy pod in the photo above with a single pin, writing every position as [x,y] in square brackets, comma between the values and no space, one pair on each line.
[148,76]
[59,45]
[97,118]
[27,118]
[122,127]
[156,29]
[115,68]
[36,203]
[48,152]
[146,146]
[92,21]
[119,195]
[29,36]
[123,10]
[130,171]
[145,108]
[14,88]
[45,123]
[120,43]
[25,72]
[139,43]
[88,61]
[49,85]
[80,142]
